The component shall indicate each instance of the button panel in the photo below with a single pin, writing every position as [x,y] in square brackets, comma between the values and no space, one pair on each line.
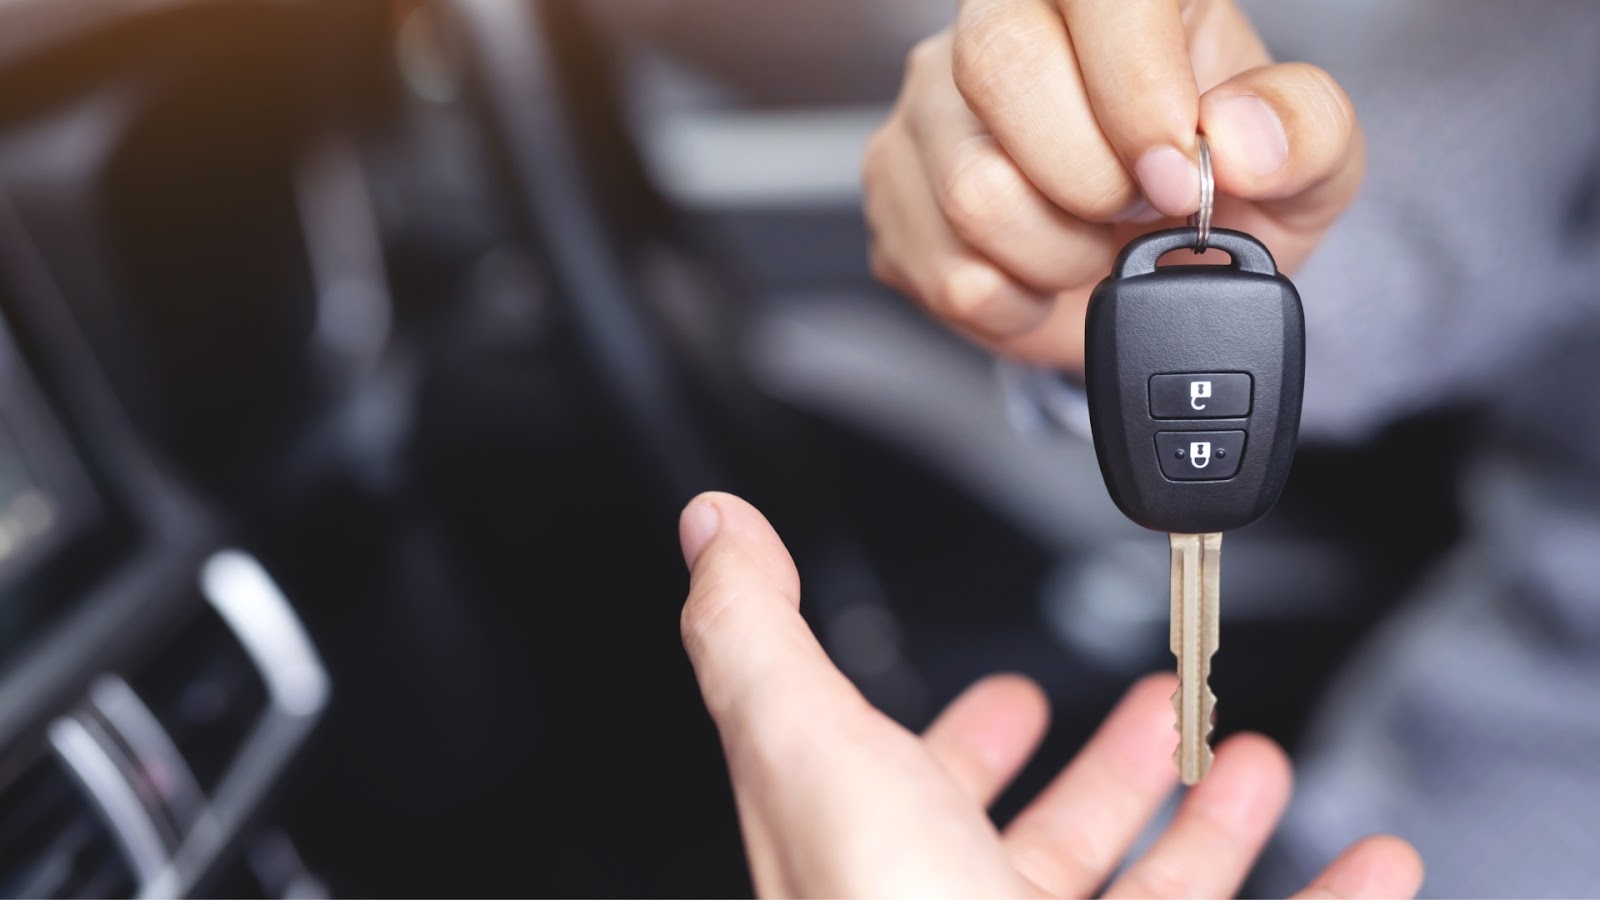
[1199,455]
[1200,396]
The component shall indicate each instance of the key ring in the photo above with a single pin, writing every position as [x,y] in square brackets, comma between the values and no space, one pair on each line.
[1201,220]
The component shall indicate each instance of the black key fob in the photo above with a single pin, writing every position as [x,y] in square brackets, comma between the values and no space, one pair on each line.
[1194,375]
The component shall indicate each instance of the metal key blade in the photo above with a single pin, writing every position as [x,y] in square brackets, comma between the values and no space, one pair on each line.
[1196,580]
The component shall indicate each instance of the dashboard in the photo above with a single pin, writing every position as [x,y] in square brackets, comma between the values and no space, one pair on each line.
[155,681]
[283,364]
[45,497]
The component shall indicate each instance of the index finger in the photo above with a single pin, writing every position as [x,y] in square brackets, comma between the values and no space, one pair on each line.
[1134,56]
[1014,65]
[1073,834]
[1219,829]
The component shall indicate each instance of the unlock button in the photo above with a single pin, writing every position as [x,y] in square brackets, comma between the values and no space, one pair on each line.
[1222,396]
[1199,455]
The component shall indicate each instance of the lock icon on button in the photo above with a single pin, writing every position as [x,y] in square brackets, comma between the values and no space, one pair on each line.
[1199,454]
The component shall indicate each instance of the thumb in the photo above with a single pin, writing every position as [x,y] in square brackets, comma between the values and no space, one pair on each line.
[1285,133]
[753,654]
[834,798]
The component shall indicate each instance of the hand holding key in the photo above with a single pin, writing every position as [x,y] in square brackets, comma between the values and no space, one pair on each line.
[1033,139]
[836,800]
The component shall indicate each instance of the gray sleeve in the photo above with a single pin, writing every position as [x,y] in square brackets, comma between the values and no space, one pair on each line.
[1462,252]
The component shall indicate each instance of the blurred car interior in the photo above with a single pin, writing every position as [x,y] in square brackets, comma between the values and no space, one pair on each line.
[355,361]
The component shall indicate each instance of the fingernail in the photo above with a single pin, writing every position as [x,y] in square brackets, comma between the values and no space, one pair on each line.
[1170,181]
[1251,132]
[1140,213]
[696,527]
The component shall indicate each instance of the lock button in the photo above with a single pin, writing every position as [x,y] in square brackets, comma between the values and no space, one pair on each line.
[1220,396]
[1199,455]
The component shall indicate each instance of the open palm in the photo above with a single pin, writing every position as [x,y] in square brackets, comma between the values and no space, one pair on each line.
[835,799]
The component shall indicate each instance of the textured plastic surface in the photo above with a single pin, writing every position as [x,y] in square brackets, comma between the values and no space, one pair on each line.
[1145,321]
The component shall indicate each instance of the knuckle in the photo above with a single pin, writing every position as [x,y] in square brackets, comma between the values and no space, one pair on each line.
[885,270]
[881,164]
[997,57]
[690,621]
[925,57]
[702,612]
[1104,205]
[882,269]
[980,193]
[1153,79]
[1316,91]
[967,295]
[872,157]
[1100,194]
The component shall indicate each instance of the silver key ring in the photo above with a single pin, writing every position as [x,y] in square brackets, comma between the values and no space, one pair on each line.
[1201,221]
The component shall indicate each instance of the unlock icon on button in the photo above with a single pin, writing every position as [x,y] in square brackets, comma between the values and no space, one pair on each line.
[1199,390]
[1199,455]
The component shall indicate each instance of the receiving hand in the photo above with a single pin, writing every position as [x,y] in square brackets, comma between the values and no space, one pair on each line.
[837,800]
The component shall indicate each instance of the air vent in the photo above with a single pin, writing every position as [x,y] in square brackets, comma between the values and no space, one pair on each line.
[53,841]
[143,786]
[207,695]
[157,770]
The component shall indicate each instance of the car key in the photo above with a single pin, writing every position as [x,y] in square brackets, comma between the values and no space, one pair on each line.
[1194,376]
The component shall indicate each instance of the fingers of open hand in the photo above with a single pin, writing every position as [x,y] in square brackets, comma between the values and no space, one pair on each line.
[1072,836]
[1219,829]
[985,736]
[795,729]
[1381,866]
[1081,825]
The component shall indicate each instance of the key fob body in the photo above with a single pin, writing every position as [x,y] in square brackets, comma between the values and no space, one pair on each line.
[1194,377]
